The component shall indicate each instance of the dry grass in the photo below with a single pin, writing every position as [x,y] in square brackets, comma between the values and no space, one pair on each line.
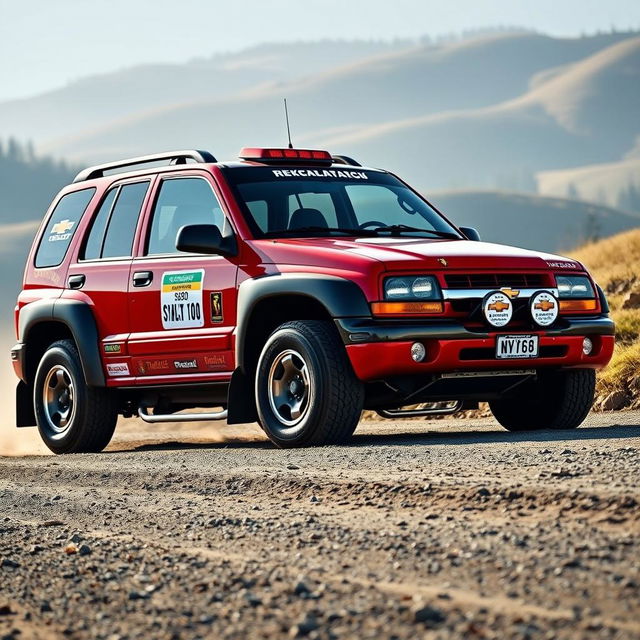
[615,264]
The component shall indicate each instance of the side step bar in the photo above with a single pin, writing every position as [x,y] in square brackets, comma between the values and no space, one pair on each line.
[180,417]
[417,413]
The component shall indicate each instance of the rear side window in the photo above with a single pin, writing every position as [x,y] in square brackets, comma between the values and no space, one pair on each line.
[182,201]
[61,226]
[114,225]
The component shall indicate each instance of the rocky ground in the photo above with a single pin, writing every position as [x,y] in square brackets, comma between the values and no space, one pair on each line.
[448,529]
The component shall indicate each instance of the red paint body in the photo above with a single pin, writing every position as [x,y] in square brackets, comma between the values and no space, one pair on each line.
[130,317]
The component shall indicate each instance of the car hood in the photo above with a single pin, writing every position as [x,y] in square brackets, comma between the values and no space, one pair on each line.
[397,254]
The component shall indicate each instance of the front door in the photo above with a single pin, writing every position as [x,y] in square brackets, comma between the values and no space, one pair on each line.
[182,306]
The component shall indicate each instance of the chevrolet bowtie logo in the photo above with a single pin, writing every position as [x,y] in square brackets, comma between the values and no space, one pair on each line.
[498,306]
[512,293]
[544,305]
[62,227]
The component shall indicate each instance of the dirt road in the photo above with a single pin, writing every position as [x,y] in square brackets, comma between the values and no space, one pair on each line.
[449,529]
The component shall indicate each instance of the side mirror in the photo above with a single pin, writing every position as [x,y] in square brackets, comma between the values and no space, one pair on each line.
[471,233]
[205,238]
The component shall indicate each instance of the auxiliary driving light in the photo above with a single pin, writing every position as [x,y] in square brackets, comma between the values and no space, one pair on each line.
[587,346]
[418,352]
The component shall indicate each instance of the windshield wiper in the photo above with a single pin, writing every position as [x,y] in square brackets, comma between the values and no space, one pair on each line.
[314,229]
[401,228]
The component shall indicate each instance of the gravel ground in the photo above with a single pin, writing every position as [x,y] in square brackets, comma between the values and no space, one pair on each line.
[442,529]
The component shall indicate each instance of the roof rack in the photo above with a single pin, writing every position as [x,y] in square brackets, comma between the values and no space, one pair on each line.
[174,157]
[346,160]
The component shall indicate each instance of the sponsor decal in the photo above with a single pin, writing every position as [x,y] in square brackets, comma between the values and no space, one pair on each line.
[181,299]
[512,293]
[60,231]
[112,348]
[153,366]
[319,173]
[117,369]
[186,364]
[215,361]
[497,309]
[562,265]
[216,306]
[443,262]
[544,308]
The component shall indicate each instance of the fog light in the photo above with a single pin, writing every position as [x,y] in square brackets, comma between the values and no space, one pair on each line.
[418,352]
[587,346]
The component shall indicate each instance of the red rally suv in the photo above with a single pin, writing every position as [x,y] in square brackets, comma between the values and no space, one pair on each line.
[291,287]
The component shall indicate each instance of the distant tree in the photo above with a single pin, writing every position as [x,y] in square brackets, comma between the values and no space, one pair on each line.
[592,227]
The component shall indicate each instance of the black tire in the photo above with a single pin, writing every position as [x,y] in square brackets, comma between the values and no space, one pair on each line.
[81,421]
[334,396]
[557,400]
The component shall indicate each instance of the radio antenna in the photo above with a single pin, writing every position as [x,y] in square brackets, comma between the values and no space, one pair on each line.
[286,116]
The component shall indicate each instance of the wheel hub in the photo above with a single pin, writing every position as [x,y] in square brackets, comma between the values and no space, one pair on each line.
[58,399]
[289,387]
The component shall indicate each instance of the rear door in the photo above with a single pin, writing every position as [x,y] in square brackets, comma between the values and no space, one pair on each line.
[182,306]
[101,271]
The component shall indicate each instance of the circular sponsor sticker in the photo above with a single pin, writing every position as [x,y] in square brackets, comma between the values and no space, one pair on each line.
[544,308]
[497,309]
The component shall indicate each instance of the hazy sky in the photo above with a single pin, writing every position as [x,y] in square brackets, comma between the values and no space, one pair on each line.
[47,43]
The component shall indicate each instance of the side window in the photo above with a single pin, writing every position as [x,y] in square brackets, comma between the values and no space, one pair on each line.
[182,201]
[118,240]
[113,229]
[61,227]
[93,246]
[321,202]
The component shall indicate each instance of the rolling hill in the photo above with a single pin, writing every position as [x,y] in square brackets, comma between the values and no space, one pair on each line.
[584,114]
[97,100]
[396,104]
[608,183]
[533,222]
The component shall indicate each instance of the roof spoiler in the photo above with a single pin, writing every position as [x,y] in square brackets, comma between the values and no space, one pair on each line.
[174,157]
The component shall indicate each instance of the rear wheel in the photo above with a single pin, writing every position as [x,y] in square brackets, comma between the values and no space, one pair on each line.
[71,417]
[556,400]
[306,391]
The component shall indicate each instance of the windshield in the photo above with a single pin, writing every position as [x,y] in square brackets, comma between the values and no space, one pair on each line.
[303,202]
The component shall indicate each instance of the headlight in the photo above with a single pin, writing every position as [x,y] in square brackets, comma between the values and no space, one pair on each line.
[412,288]
[574,287]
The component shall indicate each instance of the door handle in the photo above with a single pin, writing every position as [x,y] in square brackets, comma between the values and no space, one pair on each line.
[142,278]
[77,281]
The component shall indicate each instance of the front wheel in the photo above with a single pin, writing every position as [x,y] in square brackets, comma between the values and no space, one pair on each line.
[306,391]
[71,417]
[556,400]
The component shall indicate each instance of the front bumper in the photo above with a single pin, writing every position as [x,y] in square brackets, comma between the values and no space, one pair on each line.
[380,349]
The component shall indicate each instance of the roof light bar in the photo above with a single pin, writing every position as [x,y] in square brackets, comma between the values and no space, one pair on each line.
[290,155]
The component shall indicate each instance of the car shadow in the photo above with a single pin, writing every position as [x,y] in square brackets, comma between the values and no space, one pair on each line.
[413,438]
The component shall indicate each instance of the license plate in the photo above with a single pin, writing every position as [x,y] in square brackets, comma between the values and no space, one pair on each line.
[512,347]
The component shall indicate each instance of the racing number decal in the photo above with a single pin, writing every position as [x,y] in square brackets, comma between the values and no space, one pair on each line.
[181,299]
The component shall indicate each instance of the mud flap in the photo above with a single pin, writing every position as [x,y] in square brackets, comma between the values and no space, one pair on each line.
[241,403]
[25,416]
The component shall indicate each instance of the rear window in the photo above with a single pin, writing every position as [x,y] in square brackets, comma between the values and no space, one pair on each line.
[61,227]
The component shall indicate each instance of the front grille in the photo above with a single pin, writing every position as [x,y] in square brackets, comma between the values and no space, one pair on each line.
[496,280]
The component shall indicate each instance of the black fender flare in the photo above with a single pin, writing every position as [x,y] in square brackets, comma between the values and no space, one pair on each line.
[341,298]
[79,319]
